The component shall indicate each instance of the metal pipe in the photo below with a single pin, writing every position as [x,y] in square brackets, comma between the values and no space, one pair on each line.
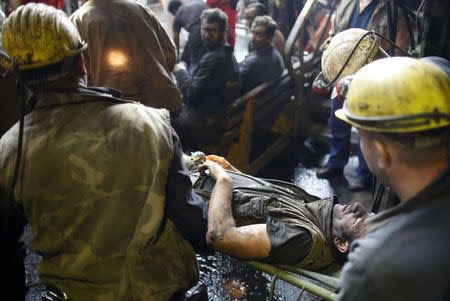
[294,280]
[297,29]
[390,28]
[409,26]
[394,25]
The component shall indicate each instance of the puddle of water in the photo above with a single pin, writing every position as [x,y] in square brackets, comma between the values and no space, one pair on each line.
[227,277]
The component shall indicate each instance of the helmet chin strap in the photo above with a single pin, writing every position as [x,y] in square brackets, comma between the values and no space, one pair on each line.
[48,74]
[5,57]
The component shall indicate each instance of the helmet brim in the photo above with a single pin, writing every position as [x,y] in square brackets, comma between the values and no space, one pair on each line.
[341,115]
[82,48]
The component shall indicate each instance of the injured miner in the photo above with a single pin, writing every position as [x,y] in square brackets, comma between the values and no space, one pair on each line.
[272,221]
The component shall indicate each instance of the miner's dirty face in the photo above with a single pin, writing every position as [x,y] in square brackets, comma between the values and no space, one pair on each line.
[349,223]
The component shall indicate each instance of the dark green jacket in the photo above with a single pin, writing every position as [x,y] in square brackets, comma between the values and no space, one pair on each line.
[255,200]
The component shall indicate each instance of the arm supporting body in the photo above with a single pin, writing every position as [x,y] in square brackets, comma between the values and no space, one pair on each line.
[247,242]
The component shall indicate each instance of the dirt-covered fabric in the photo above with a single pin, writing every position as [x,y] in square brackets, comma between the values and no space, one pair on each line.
[93,186]
[257,200]
[129,50]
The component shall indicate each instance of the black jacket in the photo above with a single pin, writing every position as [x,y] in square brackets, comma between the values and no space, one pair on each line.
[260,66]
[214,83]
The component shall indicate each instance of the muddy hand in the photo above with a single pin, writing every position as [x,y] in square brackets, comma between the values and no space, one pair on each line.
[215,169]
[222,162]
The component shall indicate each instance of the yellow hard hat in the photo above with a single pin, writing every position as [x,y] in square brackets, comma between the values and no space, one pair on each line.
[37,35]
[339,48]
[398,95]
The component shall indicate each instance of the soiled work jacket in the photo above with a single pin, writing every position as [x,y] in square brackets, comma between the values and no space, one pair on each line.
[94,183]
[405,255]
[289,213]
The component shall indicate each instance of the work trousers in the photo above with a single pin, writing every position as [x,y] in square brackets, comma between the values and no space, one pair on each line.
[339,151]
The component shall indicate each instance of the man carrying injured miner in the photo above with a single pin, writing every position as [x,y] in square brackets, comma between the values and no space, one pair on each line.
[274,221]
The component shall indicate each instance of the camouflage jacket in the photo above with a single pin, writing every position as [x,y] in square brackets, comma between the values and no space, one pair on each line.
[93,183]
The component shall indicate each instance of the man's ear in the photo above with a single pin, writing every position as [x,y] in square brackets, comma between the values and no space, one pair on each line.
[341,244]
[383,154]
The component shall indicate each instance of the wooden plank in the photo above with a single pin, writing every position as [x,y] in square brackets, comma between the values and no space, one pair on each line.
[273,150]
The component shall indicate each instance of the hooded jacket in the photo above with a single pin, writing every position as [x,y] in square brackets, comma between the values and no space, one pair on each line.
[128,50]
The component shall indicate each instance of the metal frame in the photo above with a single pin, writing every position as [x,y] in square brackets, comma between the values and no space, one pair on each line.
[295,279]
